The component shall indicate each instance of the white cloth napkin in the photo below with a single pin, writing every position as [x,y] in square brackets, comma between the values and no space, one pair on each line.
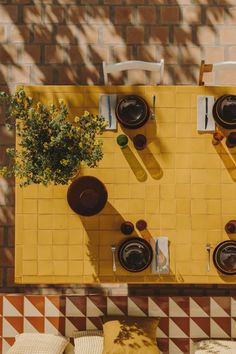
[104,109]
[201,111]
[160,262]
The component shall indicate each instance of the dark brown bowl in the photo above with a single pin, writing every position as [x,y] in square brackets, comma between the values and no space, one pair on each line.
[87,196]
[135,254]
[132,111]
[224,111]
[224,257]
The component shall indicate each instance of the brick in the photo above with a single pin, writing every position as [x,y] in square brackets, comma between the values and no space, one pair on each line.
[31,54]
[10,277]
[9,14]
[135,2]
[230,14]
[135,34]
[41,74]
[98,15]
[112,35]
[146,15]
[54,14]
[89,2]
[186,74]
[206,35]
[54,54]
[215,15]
[90,74]
[97,54]
[67,34]
[227,36]
[191,14]
[2,235]
[88,34]
[214,54]
[190,55]
[112,2]
[122,53]
[1,276]
[6,256]
[77,14]
[183,34]
[76,54]
[32,14]
[147,52]
[68,76]
[169,53]
[170,14]
[19,34]
[124,15]
[8,53]
[159,34]
[43,34]
[20,74]
[3,34]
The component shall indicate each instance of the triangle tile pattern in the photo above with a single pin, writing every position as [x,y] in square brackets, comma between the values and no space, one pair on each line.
[182,319]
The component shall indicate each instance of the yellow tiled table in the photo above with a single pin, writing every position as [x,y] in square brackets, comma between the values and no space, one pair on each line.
[181,184]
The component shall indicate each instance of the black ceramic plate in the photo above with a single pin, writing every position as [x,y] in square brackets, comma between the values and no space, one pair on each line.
[224,111]
[224,257]
[135,254]
[87,195]
[132,111]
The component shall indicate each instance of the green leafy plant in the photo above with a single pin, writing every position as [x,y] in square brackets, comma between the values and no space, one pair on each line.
[50,148]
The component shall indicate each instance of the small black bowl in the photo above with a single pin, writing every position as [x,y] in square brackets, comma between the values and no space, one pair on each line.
[132,111]
[135,254]
[87,195]
[224,111]
[224,257]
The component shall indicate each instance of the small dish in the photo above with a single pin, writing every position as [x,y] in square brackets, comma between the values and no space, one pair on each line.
[132,111]
[224,257]
[135,254]
[224,111]
[87,195]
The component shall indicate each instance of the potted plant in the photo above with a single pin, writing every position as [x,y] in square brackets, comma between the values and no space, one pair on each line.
[50,148]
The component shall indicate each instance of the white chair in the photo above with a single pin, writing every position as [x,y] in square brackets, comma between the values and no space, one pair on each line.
[133,65]
[208,68]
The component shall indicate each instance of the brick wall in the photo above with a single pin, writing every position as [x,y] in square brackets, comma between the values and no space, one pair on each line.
[65,41]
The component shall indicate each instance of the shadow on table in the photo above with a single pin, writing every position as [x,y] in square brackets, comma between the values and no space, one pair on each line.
[151,164]
[229,159]
[134,164]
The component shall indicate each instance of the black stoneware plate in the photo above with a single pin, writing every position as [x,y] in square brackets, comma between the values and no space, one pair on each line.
[87,195]
[224,111]
[132,111]
[135,254]
[224,257]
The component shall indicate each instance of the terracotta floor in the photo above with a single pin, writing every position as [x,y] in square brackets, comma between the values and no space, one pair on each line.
[64,42]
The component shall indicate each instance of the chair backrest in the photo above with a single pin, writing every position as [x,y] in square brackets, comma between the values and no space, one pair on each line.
[208,68]
[133,65]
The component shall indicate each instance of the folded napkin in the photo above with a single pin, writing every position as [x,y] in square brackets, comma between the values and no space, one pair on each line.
[204,106]
[107,105]
[160,262]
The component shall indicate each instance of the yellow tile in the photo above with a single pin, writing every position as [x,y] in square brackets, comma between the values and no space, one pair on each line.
[167,130]
[105,268]
[60,267]
[198,190]
[198,206]
[214,206]
[182,268]
[60,206]
[121,176]
[122,191]
[228,191]
[60,252]
[30,206]
[60,237]
[75,252]
[183,206]
[30,237]
[166,99]
[90,223]
[214,236]
[45,267]
[45,222]
[75,268]
[183,222]
[90,268]
[182,176]
[199,236]
[183,130]
[183,115]
[166,114]
[199,252]
[213,191]
[137,191]
[183,237]
[152,206]
[45,206]
[182,191]
[45,192]
[90,235]
[168,221]
[182,161]
[44,237]
[198,222]
[167,191]
[167,206]
[213,222]
[152,192]
[44,252]
[77,236]
[228,206]
[29,252]
[198,175]
[136,206]
[182,253]
[198,267]
[75,222]
[60,222]
[30,191]
[29,268]
[30,221]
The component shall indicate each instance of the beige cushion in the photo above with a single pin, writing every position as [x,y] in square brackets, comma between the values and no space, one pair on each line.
[38,343]
[88,332]
[88,345]
[130,335]
[215,346]
[70,349]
